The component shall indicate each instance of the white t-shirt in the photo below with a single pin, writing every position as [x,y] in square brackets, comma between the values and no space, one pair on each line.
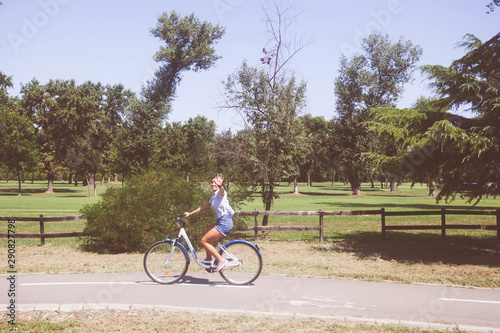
[220,204]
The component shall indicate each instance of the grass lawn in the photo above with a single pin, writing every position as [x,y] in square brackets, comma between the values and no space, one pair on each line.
[66,200]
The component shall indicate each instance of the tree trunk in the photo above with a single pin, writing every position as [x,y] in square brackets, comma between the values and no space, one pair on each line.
[295,186]
[265,218]
[269,202]
[19,180]
[309,183]
[355,186]
[88,183]
[116,178]
[50,186]
[392,185]
[433,189]
[356,189]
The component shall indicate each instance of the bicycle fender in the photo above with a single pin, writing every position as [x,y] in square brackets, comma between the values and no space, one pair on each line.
[246,242]
[181,245]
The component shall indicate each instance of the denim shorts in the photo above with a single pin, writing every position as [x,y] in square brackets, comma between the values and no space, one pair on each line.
[224,224]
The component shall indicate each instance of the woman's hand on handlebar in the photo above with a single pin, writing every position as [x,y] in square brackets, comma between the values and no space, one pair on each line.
[186,214]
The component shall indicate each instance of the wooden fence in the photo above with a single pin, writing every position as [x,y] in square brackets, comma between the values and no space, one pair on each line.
[320,228]
[443,226]
[383,213]
[42,235]
[319,213]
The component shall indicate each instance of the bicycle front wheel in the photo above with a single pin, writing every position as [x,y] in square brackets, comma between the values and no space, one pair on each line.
[165,262]
[244,262]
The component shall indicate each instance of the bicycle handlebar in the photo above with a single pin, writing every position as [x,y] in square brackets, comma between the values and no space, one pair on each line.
[179,220]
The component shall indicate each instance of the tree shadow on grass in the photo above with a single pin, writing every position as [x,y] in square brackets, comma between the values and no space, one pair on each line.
[398,205]
[30,191]
[315,194]
[418,248]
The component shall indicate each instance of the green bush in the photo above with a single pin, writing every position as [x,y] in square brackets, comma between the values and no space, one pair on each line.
[131,218]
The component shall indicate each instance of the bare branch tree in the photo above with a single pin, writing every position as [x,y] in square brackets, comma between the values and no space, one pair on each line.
[270,100]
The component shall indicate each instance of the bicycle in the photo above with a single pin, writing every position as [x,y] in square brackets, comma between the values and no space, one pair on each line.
[167,261]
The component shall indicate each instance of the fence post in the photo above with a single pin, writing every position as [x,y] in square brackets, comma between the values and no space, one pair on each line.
[443,223]
[320,225]
[256,224]
[382,216]
[498,224]
[42,231]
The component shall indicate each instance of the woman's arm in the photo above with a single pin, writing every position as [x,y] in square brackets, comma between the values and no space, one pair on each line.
[198,210]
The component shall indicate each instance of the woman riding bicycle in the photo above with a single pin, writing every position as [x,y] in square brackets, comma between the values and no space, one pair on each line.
[224,224]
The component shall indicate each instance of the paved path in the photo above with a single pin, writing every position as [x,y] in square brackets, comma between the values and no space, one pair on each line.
[433,306]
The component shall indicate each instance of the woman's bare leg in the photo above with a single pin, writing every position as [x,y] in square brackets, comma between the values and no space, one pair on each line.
[209,236]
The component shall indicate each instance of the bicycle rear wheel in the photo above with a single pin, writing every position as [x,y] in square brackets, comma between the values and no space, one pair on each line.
[165,262]
[244,262]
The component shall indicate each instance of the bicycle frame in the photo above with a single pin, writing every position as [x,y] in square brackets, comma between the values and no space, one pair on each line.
[202,263]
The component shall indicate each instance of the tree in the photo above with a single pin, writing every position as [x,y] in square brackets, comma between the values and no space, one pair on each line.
[116,103]
[270,99]
[98,110]
[172,147]
[189,45]
[75,124]
[137,138]
[472,146]
[200,145]
[375,78]
[18,150]
[234,157]
[5,82]
[401,134]
[52,108]
[316,148]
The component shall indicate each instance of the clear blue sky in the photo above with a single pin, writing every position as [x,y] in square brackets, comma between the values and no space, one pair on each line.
[108,41]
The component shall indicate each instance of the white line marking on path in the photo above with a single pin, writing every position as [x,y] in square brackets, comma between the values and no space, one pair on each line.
[148,283]
[73,283]
[469,300]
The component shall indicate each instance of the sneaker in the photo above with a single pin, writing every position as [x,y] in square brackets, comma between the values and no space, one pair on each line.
[220,265]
